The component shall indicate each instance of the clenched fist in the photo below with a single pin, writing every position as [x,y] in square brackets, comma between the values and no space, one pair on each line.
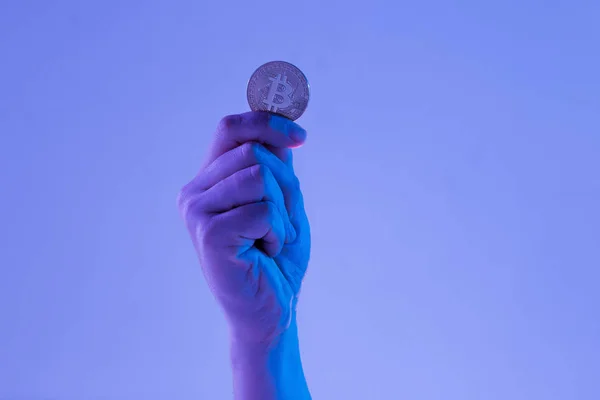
[245,214]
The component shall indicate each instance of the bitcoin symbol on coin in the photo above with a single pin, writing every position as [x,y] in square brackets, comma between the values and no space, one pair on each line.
[280,90]
[278,87]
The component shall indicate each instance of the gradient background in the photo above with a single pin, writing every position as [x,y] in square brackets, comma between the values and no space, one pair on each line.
[451,177]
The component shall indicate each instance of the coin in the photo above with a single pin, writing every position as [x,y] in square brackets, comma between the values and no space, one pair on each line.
[278,87]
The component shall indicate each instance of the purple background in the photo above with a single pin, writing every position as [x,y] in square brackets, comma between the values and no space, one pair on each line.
[451,176]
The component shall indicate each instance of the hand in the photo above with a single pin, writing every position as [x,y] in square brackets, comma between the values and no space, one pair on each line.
[245,214]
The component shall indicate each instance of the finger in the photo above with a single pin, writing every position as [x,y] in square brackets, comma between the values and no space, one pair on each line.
[249,154]
[255,126]
[284,154]
[250,185]
[292,192]
[244,156]
[243,226]
[289,183]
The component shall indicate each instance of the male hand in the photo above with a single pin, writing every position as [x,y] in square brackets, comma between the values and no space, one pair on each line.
[245,214]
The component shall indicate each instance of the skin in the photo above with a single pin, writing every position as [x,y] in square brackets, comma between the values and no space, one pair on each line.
[245,214]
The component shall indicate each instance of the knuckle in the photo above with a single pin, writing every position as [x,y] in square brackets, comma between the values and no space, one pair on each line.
[270,210]
[251,151]
[184,200]
[228,122]
[260,173]
[189,198]
[180,197]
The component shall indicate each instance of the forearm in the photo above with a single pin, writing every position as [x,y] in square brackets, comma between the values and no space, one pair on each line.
[269,372]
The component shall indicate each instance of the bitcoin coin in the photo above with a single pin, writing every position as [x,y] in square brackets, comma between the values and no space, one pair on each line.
[278,87]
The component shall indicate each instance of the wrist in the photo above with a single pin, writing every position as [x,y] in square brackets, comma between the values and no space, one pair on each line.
[269,370]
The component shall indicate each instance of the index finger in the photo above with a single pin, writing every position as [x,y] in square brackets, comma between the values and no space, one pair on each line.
[256,126]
